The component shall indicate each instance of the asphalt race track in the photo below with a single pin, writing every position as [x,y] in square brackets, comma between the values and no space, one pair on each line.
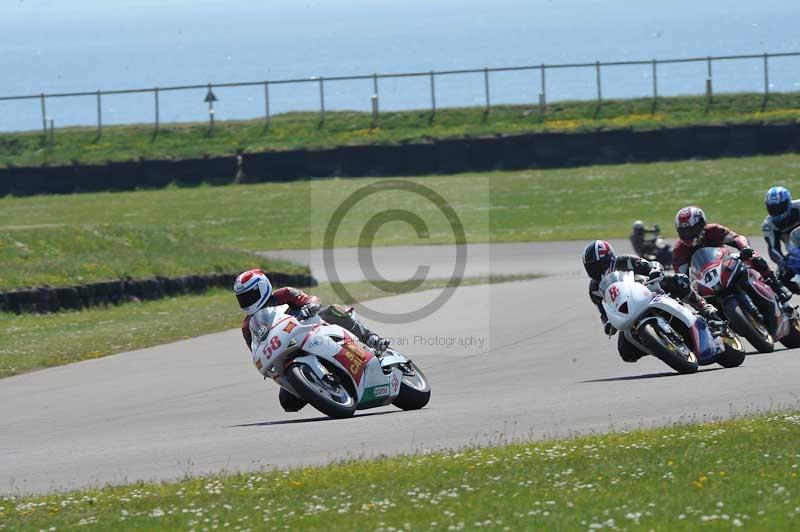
[507,361]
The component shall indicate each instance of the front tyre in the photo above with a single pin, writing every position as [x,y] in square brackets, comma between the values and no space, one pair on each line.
[743,323]
[670,348]
[328,395]
[415,391]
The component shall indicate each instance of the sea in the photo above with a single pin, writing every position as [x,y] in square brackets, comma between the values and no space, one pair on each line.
[55,46]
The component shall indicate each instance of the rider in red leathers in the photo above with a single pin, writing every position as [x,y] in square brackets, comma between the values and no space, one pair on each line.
[694,233]
[254,294]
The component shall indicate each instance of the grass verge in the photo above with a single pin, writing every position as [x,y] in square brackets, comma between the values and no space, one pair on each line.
[562,204]
[717,476]
[29,341]
[76,254]
[303,130]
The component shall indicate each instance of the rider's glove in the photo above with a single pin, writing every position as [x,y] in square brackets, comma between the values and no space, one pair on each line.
[746,253]
[307,311]
[656,228]
[609,329]
[709,312]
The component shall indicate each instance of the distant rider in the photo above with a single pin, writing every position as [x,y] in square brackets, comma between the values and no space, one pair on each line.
[641,244]
[694,233]
[599,259]
[783,217]
[254,293]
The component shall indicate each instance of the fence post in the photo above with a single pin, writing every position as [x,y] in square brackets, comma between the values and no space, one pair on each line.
[375,101]
[486,90]
[766,82]
[158,111]
[321,101]
[267,117]
[655,86]
[44,117]
[543,92]
[99,115]
[709,86]
[599,85]
[433,95]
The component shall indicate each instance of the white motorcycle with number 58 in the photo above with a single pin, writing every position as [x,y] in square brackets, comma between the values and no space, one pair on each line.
[326,366]
[661,326]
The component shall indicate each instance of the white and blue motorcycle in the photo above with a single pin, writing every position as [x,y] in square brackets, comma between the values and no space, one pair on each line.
[660,326]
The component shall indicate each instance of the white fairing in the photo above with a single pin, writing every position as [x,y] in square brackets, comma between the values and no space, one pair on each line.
[624,300]
[285,340]
[627,302]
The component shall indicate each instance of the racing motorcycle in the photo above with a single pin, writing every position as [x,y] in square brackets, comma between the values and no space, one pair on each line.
[750,305]
[327,367]
[653,249]
[660,326]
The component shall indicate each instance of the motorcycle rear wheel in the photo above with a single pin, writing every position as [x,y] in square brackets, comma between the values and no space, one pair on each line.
[743,323]
[415,391]
[678,356]
[331,398]
[734,354]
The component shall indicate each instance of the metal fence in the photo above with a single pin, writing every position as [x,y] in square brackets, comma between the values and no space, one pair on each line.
[539,71]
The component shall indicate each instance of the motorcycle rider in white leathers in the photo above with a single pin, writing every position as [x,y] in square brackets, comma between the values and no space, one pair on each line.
[254,294]
[783,217]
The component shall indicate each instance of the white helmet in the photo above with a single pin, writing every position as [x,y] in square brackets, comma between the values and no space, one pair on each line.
[252,289]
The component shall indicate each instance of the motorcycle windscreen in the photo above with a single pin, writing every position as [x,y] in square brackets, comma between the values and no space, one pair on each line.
[614,277]
[702,258]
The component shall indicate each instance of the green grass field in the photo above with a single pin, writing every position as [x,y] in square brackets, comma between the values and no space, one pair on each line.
[719,476]
[30,341]
[58,239]
[303,130]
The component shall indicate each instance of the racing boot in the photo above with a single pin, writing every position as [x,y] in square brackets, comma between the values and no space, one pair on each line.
[289,402]
[377,344]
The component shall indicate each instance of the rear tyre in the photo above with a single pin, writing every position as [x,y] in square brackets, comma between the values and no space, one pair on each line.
[329,395]
[670,348]
[734,354]
[415,391]
[792,340]
[743,323]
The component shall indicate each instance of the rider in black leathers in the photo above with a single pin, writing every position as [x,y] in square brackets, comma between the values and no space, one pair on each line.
[599,259]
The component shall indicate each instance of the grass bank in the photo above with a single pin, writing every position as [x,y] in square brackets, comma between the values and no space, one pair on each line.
[718,476]
[560,204]
[303,130]
[29,342]
[62,255]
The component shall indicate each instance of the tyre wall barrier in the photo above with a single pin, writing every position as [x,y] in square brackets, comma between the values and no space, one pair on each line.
[446,156]
[48,299]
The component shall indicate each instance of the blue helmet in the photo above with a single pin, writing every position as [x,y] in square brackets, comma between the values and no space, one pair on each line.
[779,203]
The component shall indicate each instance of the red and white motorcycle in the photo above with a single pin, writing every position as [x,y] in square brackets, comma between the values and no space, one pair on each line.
[659,325]
[326,366]
[754,311]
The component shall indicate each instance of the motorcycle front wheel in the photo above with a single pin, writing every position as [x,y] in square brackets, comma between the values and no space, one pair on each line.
[743,323]
[415,391]
[328,395]
[669,348]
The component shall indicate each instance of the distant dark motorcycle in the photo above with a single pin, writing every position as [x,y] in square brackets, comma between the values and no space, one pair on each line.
[748,303]
[653,248]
